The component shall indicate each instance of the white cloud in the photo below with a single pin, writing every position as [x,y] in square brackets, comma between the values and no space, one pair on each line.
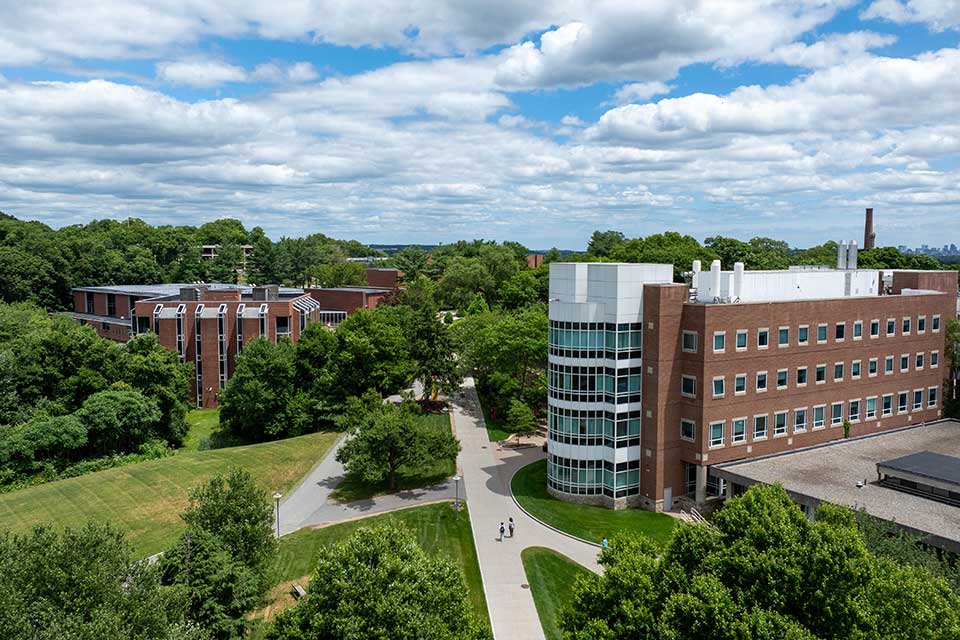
[200,73]
[641,91]
[302,72]
[939,15]
[829,51]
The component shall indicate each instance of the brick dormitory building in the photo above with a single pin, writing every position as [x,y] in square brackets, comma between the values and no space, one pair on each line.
[650,383]
[209,324]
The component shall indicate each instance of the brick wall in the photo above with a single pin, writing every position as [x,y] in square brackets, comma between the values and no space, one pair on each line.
[386,278]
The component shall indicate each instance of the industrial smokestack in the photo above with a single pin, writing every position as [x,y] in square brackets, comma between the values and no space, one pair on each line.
[869,236]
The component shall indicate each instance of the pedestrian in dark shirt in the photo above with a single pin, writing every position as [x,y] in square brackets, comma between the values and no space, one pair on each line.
[511,527]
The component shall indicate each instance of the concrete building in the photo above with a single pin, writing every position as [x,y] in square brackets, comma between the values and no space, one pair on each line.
[651,383]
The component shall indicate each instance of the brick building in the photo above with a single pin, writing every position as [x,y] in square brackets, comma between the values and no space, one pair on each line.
[652,382]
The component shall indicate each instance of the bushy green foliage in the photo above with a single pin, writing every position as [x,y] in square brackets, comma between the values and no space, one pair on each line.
[384,437]
[379,583]
[761,570]
[84,584]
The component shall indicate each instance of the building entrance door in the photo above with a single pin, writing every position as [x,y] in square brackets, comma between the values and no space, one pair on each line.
[667,498]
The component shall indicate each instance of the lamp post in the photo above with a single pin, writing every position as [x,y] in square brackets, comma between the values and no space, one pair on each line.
[456,502]
[276,499]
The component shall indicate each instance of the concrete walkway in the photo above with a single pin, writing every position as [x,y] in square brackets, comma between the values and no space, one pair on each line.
[310,503]
[486,479]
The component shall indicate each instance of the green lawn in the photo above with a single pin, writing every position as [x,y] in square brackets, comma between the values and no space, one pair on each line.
[203,423]
[585,521]
[407,477]
[551,577]
[438,529]
[145,499]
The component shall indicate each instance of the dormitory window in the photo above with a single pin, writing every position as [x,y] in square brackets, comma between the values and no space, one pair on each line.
[719,341]
[780,424]
[739,430]
[838,372]
[803,335]
[740,384]
[263,320]
[801,376]
[841,330]
[689,342]
[902,402]
[782,379]
[688,386]
[222,343]
[762,381]
[818,417]
[821,373]
[871,408]
[181,348]
[283,327]
[874,328]
[836,413]
[91,306]
[111,304]
[759,427]
[240,310]
[936,323]
[921,324]
[821,333]
[888,365]
[932,397]
[857,330]
[763,338]
[716,434]
[891,326]
[855,369]
[783,337]
[741,340]
[799,420]
[934,359]
[872,367]
[906,326]
[917,399]
[854,414]
[718,389]
[919,361]
[198,352]
[905,362]
[888,404]
[688,430]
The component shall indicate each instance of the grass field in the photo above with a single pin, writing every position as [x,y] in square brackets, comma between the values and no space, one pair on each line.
[145,499]
[551,577]
[438,530]
[203,423]
[529,486]
[407,477]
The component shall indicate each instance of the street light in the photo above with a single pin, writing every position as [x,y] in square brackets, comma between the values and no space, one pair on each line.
[456,484]
[276,499]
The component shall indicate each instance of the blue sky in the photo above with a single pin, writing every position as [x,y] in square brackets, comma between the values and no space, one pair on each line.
[538,121]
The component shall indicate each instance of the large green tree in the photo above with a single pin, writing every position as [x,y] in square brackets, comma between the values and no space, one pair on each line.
[384,437]
[373,352]
[379,583]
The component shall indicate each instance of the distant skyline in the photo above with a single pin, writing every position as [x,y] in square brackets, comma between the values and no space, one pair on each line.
[417,121]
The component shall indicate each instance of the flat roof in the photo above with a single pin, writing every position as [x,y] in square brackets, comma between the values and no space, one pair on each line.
[926,464]
[830,472]
[173,289]
[364,289]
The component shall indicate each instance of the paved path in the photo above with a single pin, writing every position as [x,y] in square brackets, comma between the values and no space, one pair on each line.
[310,503]
[486,478]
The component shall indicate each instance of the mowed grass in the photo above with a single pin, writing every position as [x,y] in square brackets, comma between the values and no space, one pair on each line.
[203,423]
[437,527]
[592,523]
[145,500]
[408,477]
[551,577]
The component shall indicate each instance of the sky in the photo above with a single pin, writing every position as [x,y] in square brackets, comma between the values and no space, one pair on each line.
[425,121]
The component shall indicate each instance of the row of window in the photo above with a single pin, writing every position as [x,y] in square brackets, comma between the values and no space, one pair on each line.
[723,432]
[593,477]
[805,333]
[595,339]
[801,377]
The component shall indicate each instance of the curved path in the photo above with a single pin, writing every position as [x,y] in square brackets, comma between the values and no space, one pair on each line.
[486,478]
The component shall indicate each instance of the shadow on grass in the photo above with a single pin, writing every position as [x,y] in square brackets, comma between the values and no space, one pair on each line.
[353,489]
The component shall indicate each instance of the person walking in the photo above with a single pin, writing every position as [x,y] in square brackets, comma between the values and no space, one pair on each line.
[501,533]
[605,543]
[511,527]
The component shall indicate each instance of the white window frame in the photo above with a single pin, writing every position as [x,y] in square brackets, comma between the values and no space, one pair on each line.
[740,376]
[766,426]
[782,345]
[889,370]
[806,377]
[905,408]
[761,331]
[866,408]
[877,334]
[913,404]
[802,427]
[836,421]
[921,329]
[857,323]
[843,371]
[733,434]
[850,414]
[777,433]
[693,430]
[711,443]
[936,400]
[840,324]
[889,333]
[786,377]
[824,366]
[853,365]
[723,336]
[823,420]
[875,364]
[902,357]
[919,360]
[935,359]
[723,386]
[826,332]
[935,323]
[884,413]
[696,341]
[908,320]
[684,393]
[746,340]
[766,379]
[799,329]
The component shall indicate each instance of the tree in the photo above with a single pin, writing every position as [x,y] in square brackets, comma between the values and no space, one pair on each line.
[393,590]
[412,262]
[666,248]
[84,584]
[373,352]
[521,417]
[464,278]
[951,391]
[761,570]
[384,437]
[520,290]
[261,401]
[478,305]
[603,243]
[118,420]
[432,349]
[158,374]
